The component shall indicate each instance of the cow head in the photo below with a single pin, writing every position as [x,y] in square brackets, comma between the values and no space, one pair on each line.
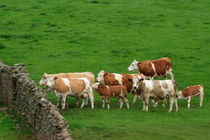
[44,79]
[100,77]
[51,81]
[95,86]
[134,66]
[154,103]
[180,96]
[136,81]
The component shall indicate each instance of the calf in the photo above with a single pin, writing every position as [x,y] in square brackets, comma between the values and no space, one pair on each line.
[153,68]
[156,89]
[111,79]
[76,87]
[105,92]
[190,92]
[88,75]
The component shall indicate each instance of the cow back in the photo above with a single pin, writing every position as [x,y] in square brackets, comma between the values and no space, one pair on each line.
[192,90]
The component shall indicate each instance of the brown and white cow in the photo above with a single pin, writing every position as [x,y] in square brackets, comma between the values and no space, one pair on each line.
[106,92]
[75,87]
[189,92]
[111,79]
[153,68]
[156,89]
[88,75]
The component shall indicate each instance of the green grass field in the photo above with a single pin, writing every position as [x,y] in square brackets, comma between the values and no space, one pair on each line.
[56,36]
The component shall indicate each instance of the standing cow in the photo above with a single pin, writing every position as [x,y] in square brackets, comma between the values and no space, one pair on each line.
[156,89]
[118,79]
[190,92]
[153,68]
[88,75]
[76,87]
[106,92]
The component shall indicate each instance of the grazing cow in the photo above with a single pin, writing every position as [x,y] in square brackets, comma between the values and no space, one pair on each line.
[118,79]
[76,87]
[156,89]
[105,92]
[153,68]
[88,75]
[191,91]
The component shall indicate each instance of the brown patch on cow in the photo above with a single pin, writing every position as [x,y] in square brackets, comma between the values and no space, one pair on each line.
[165,85]
[141,88]
[157,90]
[109,79]
[77,85]
[111,91]
[191,91]
[161,66]
[127,82]
[145,68]
[60,86]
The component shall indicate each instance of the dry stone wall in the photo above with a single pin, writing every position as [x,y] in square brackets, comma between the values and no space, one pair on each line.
[29,102]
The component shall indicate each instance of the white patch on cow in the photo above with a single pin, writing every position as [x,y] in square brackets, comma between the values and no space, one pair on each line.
[50,82]
[153,67]
[118,77]
[100,77]
[66,82]
[87,84]
[148,84]
[133,66]
[95,86]
[135,82]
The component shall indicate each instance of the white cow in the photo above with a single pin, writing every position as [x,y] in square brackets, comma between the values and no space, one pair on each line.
[156,89]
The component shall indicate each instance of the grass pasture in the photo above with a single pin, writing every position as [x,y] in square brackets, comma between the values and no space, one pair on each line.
[56,36]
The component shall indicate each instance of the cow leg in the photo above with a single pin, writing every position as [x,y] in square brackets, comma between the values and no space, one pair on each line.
[188,100]
[77,102]
[107,102]
[86,101]
[91,98]
[58,100]
[171,104]
[154,102]
[201,99]
[134,98]
[83,103]
[121,102]
[164,103]
[63,101]
[176,104]
[171,74]
[146,103]
[126,101]
[103,101]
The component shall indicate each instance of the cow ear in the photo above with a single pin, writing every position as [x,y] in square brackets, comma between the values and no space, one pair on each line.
[55,78]
[105,73]
[139,62]
[131,80]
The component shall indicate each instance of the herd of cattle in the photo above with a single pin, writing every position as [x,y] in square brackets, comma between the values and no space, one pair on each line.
[142,85]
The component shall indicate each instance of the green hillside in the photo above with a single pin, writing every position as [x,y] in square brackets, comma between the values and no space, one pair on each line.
[57,36]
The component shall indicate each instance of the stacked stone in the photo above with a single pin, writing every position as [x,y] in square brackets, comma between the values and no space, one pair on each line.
[30,104]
